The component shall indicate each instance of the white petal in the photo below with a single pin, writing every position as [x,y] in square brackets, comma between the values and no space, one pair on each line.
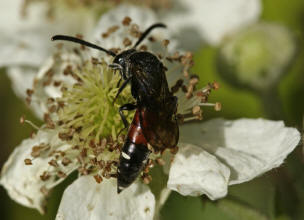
[141,16]
[25,40]
[211,19]
[30,49]
[10,11]
[43,92]
[23,182]
[250,147]
[86,199]
[195,172]
[22,78]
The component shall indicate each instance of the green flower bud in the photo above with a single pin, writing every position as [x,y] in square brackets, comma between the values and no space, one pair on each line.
[257,56]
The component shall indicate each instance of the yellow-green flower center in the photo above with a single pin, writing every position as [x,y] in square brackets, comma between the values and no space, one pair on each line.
[89,112]
[88,119]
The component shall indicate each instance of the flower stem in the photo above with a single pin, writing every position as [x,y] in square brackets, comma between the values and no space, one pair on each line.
[272,104]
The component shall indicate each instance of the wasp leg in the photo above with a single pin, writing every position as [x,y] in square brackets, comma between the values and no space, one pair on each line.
[126,107]
[115,67]
[118,84]
[122,88]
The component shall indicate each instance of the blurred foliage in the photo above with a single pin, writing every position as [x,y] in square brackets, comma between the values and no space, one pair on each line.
[277,195]
[290,14]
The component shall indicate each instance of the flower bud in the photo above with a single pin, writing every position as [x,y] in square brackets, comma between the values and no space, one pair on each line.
[257,56]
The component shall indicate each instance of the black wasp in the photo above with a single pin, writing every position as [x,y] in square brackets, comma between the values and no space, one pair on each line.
[154,121]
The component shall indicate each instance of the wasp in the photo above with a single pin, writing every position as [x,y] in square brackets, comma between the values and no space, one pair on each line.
[154,120]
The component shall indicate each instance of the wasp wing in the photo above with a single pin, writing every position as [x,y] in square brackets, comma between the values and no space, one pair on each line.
[149,81]
[161,132]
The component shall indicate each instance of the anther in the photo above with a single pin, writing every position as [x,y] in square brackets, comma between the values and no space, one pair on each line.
[174,150]
[218,106]
[45,176]
[134,31]
[196,110]
[143,48]
[29,92]
[126,21]
[66,161]
[165,42]
[98,178]
[22,120]
[152,39]
[53,163]
[160,161]
[104,35]
[127,42]
[215,85]
[28,161]
[61,174]
[94,61]
[147,179]
[113,29]
[37,150]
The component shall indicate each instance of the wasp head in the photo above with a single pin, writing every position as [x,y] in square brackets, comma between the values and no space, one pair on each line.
[121,62]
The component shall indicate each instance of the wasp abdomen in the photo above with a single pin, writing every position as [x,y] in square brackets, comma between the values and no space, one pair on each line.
[132,159]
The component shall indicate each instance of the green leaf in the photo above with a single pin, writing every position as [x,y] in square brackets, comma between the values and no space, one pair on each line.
[235,102]
[185,207]
[283,217]
[257,194]
[239,211]
[179,208]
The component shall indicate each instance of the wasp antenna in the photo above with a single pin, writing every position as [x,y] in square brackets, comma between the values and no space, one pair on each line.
[82,42]
[144,35]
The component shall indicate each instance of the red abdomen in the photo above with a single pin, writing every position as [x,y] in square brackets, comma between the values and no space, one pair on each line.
[135,133]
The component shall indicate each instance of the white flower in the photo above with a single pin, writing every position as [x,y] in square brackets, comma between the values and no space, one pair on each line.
[74,92]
